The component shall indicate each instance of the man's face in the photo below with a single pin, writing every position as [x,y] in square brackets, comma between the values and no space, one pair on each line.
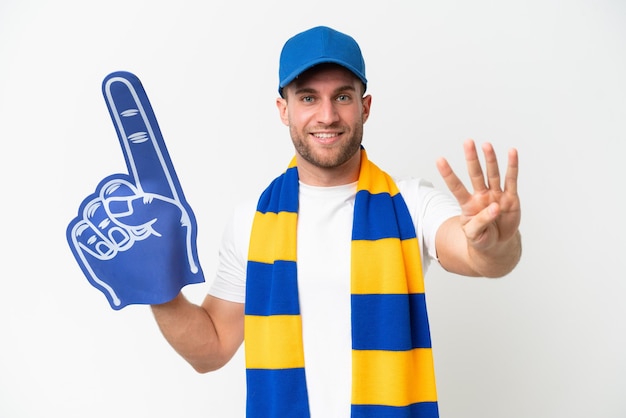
[325,111]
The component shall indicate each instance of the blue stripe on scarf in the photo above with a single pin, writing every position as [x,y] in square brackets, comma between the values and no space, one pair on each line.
[272,387]
[390,322]
[418,410]
[370,225]
[282,194]
[272,297]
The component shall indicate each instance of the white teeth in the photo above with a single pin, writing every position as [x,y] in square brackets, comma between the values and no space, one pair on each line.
[324,135]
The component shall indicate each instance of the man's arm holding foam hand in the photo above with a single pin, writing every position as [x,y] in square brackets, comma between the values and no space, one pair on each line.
[206,336]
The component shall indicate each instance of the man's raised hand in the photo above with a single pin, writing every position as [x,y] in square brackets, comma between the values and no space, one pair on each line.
[491,214]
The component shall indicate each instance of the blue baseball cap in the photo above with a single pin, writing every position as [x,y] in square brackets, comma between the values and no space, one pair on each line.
[315,46]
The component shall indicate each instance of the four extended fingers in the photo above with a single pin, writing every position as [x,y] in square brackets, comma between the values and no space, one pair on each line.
[477,175]
[475,171]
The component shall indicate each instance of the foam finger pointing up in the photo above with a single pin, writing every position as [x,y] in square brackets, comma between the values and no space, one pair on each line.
[139,134]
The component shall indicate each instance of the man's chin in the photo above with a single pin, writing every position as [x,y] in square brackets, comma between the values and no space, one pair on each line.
[329,158]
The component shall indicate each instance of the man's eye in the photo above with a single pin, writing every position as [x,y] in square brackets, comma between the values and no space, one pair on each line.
[343,98]
[307,99]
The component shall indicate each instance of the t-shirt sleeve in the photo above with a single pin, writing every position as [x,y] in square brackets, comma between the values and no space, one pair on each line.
[230,281]
[429,208]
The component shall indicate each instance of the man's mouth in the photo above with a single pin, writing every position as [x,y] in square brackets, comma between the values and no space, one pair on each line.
[326,137]
[323,135]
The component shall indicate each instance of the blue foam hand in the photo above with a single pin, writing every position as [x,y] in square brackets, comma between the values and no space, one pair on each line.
[135,237]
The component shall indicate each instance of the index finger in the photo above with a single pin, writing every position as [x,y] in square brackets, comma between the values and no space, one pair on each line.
[455,185]
[142,143]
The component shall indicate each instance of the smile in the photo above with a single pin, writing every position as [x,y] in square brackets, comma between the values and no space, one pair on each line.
[325,135]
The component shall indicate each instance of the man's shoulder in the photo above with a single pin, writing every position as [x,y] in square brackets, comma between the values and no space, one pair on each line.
[412,183]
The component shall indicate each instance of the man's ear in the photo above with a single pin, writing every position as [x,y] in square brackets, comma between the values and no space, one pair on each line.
[283,110]
[367,104]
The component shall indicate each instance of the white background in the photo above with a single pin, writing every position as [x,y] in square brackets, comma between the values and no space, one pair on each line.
[545,76]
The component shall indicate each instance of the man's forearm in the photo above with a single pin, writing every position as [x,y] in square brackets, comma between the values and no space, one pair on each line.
[190,330]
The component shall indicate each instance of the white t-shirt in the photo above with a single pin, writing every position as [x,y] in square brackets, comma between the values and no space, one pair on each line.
[324,239]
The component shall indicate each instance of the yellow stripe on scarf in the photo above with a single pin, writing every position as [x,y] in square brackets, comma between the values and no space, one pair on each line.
[387,377]
[387,259]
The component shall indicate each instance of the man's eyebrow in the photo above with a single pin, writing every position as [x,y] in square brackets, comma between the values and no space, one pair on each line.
[302,90]
[309,90]
[347,87]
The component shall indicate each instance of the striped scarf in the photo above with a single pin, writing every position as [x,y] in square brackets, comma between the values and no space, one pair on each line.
[392,364]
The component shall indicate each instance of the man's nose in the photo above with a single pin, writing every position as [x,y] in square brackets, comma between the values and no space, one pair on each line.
[327,112]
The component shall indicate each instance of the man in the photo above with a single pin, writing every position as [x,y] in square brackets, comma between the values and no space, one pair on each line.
[322,100]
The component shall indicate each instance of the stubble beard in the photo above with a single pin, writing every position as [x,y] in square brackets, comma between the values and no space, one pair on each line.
[339,155]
